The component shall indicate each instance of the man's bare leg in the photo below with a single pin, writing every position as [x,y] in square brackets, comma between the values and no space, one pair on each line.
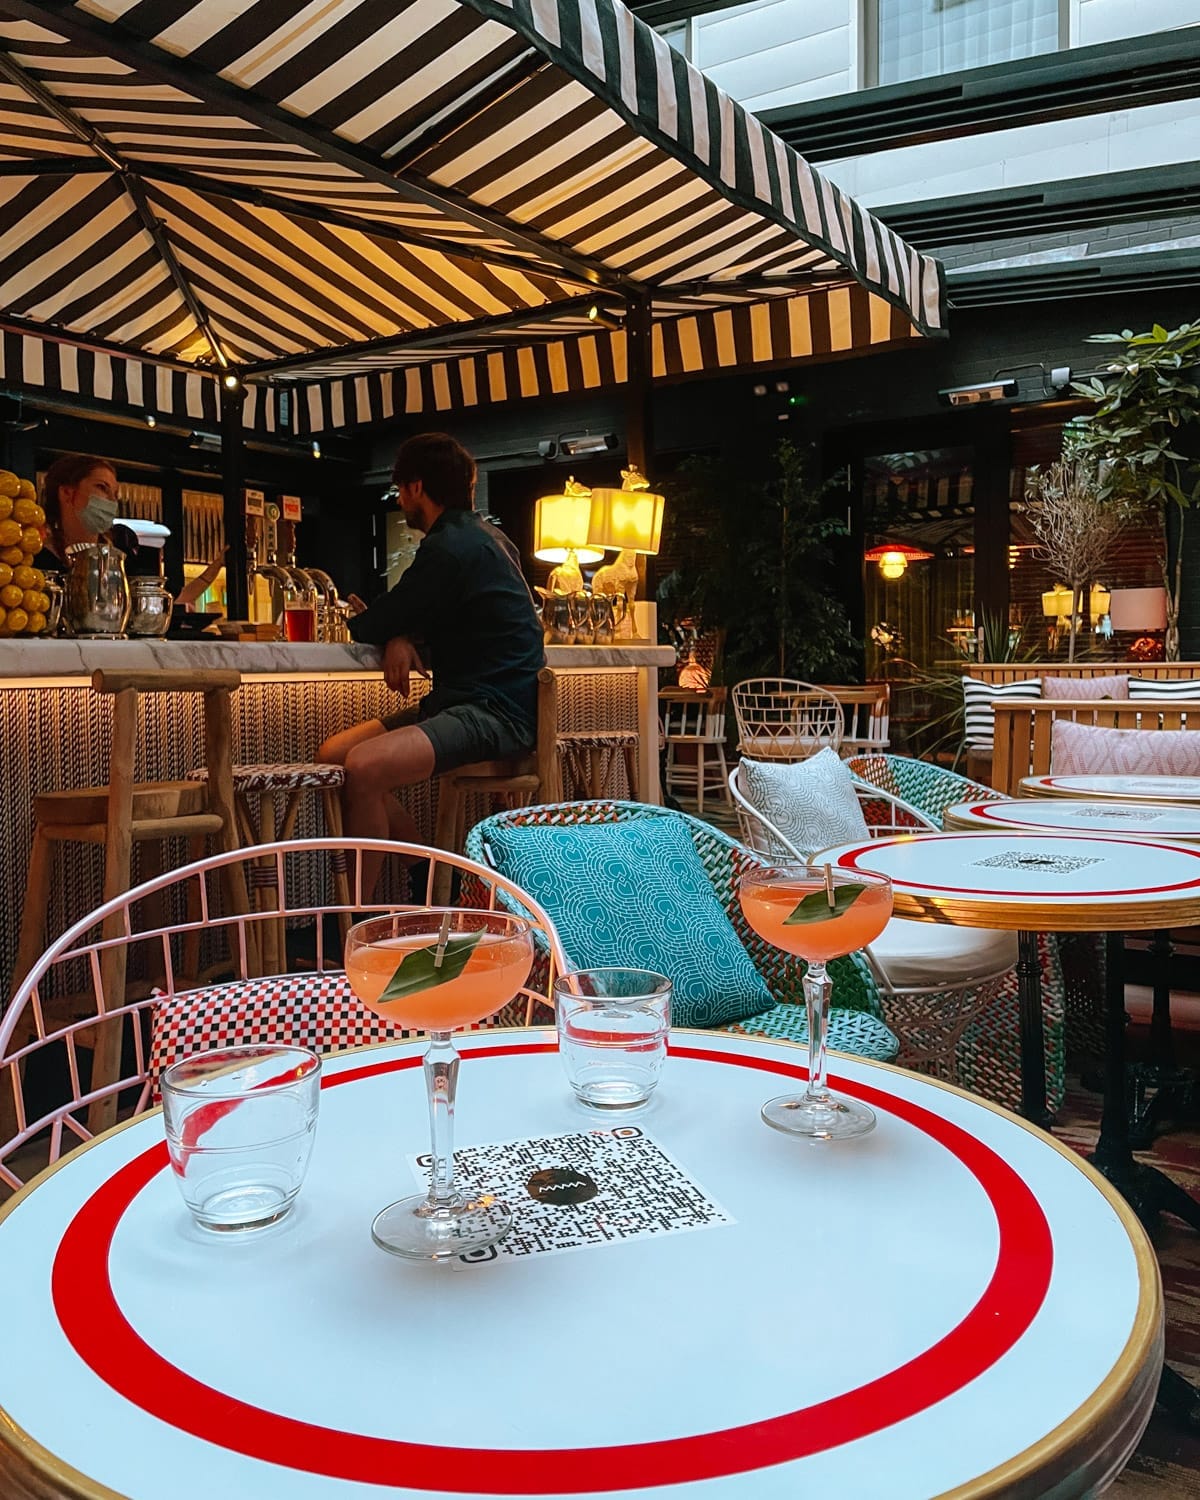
[402,826]
[375,767]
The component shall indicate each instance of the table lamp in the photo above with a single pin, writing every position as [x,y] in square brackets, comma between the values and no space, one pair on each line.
[628,520]
[560,535]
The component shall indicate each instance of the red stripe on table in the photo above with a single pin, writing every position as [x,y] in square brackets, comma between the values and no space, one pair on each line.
[106,1342]
[849,861]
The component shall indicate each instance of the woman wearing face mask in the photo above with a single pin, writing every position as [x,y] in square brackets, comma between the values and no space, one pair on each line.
[79,496]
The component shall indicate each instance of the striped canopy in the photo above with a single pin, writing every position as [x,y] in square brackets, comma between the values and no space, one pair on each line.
[339,187]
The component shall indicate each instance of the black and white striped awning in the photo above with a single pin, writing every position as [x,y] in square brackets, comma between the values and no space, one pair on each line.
[302,190]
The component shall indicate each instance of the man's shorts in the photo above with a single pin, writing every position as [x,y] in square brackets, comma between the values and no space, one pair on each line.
[464,733]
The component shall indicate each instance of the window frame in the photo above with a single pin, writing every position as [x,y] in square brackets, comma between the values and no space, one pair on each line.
[868,24]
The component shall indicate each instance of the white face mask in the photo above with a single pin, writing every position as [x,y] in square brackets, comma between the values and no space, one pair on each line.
[99,513]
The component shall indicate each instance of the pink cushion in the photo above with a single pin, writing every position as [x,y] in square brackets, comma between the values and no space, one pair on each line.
[1085,687]
[1087,749]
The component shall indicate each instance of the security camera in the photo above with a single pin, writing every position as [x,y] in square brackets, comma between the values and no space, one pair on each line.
[977,395]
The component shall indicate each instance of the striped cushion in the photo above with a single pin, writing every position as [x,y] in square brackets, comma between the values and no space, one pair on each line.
[978,698]
[1150,687]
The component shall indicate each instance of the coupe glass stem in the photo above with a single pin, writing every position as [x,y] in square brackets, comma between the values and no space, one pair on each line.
[817,987]
[441,1079]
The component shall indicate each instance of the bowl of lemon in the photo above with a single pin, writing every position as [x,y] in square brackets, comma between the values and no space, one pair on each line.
[24,598]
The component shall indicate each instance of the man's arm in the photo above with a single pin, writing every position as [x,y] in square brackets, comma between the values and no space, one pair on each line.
[423,592]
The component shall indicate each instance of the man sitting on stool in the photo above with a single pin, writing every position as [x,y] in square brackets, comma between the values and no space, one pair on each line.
[461,612]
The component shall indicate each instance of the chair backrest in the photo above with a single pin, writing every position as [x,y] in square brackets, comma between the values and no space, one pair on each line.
[866,708]
[154,926]
[926,788]
[884,814]
[724,860]
[693,716]
[780,718]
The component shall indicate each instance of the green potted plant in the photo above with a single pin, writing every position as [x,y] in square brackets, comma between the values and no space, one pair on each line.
[1143,400]
[752,561]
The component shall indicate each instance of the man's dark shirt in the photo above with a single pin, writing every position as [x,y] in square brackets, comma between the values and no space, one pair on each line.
[464,602]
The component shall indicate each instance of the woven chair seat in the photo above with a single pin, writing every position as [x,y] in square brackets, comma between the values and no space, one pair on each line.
[318,1011]
[283,777]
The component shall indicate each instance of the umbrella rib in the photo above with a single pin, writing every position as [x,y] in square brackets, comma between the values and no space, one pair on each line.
[423,338]
[111,39]
[50,166]
[219,187]
[154,227]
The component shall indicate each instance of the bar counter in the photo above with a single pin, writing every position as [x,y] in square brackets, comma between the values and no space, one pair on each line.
[55,732]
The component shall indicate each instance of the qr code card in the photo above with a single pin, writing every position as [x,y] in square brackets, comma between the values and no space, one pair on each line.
[593,1187]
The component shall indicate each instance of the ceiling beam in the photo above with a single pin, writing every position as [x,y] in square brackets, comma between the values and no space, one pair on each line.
[116,41]
[1049,207]
[1127,74]
[424,338]
[150,221]
[1098,276]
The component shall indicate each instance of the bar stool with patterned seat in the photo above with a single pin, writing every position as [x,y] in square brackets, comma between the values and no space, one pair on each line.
[258,792]
[589,756]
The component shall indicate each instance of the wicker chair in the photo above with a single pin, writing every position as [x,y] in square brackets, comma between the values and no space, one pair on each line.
[988,1057]
[855,1024]
[911,959]
[174,1012]
[779,718]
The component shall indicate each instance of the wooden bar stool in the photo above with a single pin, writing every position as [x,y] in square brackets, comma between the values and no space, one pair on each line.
[260,791]
[518,782]
[124,812]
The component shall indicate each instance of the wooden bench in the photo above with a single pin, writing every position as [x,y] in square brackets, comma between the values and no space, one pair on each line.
[1021,739]
[1016,671]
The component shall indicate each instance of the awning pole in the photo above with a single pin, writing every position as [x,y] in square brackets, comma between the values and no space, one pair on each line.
[233,479]
[639,431]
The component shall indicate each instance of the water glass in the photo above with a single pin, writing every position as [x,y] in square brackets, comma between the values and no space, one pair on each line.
[612,1034]
[240,1128]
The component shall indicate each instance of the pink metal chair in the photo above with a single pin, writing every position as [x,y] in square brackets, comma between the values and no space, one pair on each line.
[166,1008]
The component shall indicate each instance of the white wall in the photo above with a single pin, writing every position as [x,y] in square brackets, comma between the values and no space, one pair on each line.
[1109,20]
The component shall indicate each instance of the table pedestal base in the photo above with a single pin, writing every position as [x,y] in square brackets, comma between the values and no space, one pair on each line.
[1033,1034]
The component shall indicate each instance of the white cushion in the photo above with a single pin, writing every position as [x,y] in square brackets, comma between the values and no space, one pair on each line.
[812,802]
[978,700]
[919,955]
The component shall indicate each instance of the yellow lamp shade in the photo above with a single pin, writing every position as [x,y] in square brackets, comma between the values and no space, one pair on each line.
[893,564]
[1098,601]
[1056,602]
[627,520]
[560,526]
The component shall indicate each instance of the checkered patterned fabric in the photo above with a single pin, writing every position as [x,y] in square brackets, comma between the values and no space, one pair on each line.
[318,1011]
[280,778]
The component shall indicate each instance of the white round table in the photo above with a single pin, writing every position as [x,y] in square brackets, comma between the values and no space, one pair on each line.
[986,1315]
[1175,822]
[1123,788]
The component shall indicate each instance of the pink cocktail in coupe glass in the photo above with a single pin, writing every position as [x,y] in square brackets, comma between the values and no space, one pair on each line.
[436,969]
[816,913]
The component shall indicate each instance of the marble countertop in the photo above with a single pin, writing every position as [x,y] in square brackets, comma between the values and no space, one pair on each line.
[24,662]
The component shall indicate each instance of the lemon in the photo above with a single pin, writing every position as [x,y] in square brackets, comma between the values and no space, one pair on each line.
[24,577]
[39,579]
[43,602]
[30,599]
[6,574]
[9,483]
[17,620]
[11,596]
[31,540]
[37,623]
[10,533]
[6,506]
[13,555]
[3,618]
[26,489]
[28,511]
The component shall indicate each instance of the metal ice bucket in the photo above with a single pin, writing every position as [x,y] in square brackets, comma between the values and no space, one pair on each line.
[96,600]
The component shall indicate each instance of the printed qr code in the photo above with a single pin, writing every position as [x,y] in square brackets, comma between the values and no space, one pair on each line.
[1051,864]
[594,1187]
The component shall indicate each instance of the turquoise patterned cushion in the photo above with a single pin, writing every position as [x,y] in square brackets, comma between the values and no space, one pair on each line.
[636,894]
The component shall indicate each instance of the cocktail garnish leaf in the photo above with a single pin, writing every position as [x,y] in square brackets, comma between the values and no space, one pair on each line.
[417,971]
[816,907]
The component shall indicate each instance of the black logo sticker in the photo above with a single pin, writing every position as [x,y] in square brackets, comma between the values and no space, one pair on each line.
[561,1185]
